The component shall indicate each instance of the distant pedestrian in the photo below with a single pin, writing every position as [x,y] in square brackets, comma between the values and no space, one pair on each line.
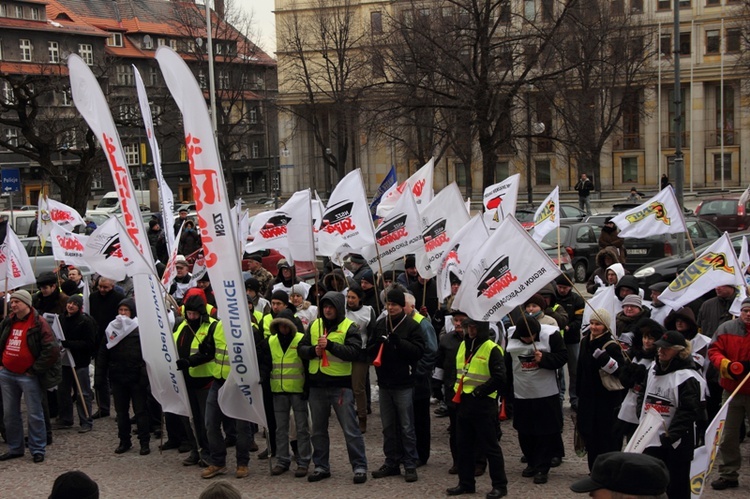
[664,181]
[584,187]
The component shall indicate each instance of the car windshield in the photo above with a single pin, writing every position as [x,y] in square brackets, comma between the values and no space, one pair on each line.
[524,216]
[108,203]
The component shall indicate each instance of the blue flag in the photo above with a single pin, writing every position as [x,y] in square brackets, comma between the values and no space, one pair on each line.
[388,182]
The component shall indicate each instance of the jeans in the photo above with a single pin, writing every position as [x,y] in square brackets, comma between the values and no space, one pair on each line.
[68,386]
[342,401]
[282,404]
[584,204]
[123,394]
[572,371]
[399,440]
[13,386]
[216,445]
[730,458]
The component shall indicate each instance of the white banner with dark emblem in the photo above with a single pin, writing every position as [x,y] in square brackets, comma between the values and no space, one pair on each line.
[67,246]
[705,455]
[52,212]
[441,220]
[241,397]
[464,246]
[399,234]
[508,269]
[547,216]
[500,201]
[421,187]
[347,220]
[659,215]
[716,266]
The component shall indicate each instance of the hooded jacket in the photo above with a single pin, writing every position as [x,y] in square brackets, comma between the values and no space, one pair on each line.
[611,238]
[625,281]
[80,337]
[600,272]
[479,400]
[44,348]
[554,310]
[123,362]
[400,355]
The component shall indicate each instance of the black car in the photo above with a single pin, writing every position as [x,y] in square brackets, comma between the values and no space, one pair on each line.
[666,269]
[581,242]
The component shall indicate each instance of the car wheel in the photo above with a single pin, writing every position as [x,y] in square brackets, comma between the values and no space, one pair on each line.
[580,271]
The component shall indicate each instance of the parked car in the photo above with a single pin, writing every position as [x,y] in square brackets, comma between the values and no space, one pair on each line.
[42,260]
[666,269]
[581,242]
[569,213]
[725,213]
[563,262]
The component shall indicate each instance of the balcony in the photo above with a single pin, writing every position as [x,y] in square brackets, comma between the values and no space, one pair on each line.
[628,142]
[713,137]
[668,139]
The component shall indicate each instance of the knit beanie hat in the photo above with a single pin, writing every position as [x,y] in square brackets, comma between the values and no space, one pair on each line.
[633,300]
[396,296]
[77,300]
[603,316]
[537,299]
[252,284]
[22,295]
[280,295]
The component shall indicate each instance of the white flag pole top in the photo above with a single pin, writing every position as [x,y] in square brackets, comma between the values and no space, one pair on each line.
[508,269]
[420,184]
[745,197]
[547,216]
[288,229]
[15,265]
[464,246]
[744,257]
[441,220]
[68,247]
[157,342]
[500,201]
[716,266]
[166,198]
[659,215]
[317,208]
[399,234]
[241,397]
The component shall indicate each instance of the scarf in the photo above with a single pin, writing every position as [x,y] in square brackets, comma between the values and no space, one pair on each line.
[119,328]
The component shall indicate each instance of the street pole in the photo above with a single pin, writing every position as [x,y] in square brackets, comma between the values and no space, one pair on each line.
[679,166]
[528,150]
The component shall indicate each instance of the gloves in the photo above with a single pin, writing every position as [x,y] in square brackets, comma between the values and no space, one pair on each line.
[665,441]
[738,370]
[382,339]
[182,364]
[423,310]
[480,392]
[65,344]
[203,348]
[394,339]
[606,363]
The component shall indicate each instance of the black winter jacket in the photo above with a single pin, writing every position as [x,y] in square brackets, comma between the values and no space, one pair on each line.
[80,337]
[400,355]
[123,363]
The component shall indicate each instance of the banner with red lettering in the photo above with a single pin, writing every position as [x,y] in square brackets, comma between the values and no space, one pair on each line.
[465,244]
[15,264]
[166,198]
[506,271]
[500,200]
[420,184]
[170,269]
[399,234]
[441,220]
[288,229]
[347,220]
[157,343]
[51,212]
[241,397]
[68,247]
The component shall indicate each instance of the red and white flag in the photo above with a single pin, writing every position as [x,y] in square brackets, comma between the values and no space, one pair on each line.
[716,266]
[441,220]
[15,265]
[157,343]
[464,246]
[420,184]
[508,269]
[399,234]
[547,216]
[68,247]
[288,229]
[347,220]
[500,201]
[54,212]
[241,397]
[170,267]
[659,215]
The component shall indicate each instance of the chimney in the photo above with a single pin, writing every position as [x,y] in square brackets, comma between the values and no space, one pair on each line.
[219,9]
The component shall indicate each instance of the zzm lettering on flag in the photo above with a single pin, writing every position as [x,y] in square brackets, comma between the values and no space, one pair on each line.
[435,235]
[548,213]
[338,218]
[393,231]
[708,262]
[656,208]
[276,226]
[496,278]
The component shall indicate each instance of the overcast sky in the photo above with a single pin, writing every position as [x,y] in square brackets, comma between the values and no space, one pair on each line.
[264,22]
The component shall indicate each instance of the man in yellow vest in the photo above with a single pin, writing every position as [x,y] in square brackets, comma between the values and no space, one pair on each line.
[480,370]
[287,383]
[331,344]
[197,368]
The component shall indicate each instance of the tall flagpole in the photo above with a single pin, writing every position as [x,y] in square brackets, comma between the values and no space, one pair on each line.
[692,130]
[658,114]
[721,98]
[211,83]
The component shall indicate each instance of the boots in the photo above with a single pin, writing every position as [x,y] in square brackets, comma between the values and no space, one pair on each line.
[363,424]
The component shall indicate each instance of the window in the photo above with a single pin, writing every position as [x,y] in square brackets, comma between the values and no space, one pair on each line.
[223,80]
[86,51]
[407,17]
[26,49]
[543,176]
[664,5]
[378,66]
[617,7]
[114,40]
[153,76]
[156,112]
[3,10]
[502,168]
[248,184]
[276,182]
[727,131]
[727,167]
[202,79]
[190,46]
[713,41]
[548,7]
[218,48]
[19,12]
[66,99]
[68,140]
[460,173]
[636,6]
[713,2]
[629,170]
[504,11]
[54,52]
[8,96]
[173,45]
[665,45]
[124,74]
[685,4]
[734,39]
[160,42]
[543,116]
[685,48]
[376,23]
[148,42]
[132,154]
[11,136]
[35,13]
[96,182]
[255,151]
[529,9]
[631,122]
[253,115]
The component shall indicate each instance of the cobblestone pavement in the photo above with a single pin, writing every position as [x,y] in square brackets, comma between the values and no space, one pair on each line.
[162,475]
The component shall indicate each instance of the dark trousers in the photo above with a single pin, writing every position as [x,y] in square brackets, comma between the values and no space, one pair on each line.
[102,398]
[452,432]
[476,425]
[270,417]
[197,398]
[175,429]
[124,394]
[422,428]
[679,472]
[540,449]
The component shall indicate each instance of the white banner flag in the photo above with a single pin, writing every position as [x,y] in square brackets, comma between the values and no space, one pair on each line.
[170,267]
[54,212]
[464,246]
[241,397]
[68,247]
[705,455]
[716,266]
[317,219]
[603,298]
[508,269]
[157,343]
[14,263]
[288,229]
[647,433]
[744,257]
[547,216]
[420,184]
[166,198]
[103,252]
[441,220]
[659,215]
[399,234]
[500,201]
[347,220]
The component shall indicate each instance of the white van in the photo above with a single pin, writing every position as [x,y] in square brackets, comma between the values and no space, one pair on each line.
[110,202]
[21,220]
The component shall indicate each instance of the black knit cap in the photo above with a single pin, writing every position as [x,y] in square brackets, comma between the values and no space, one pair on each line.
[74,485]
[396,296]
[252,284]
[46,278]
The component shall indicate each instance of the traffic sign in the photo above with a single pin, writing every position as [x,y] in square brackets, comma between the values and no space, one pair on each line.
[11,180]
